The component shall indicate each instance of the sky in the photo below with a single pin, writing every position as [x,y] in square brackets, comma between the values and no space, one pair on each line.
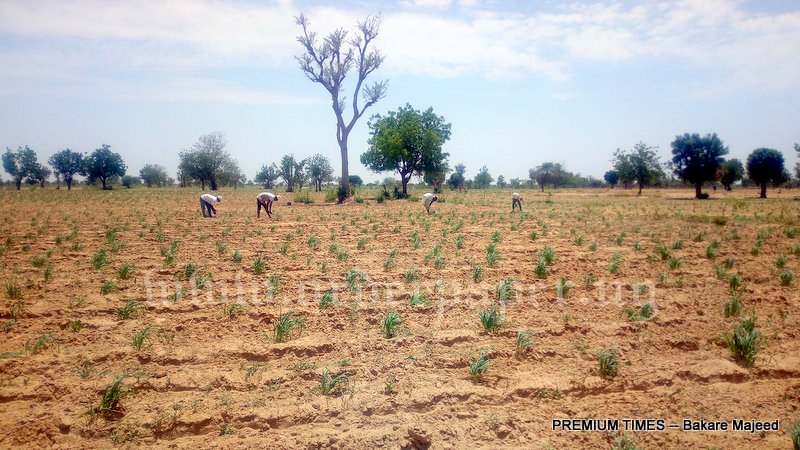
[521,82]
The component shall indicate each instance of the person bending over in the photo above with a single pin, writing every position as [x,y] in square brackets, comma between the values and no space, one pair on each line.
[516,201]
[265,200]
[207,202]
[427,201]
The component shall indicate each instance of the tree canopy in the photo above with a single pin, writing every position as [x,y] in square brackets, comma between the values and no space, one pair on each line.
[766,165]
[153,174]
[408,141]
[267,175]
[20,164]
[292,172]
[328,62]
[731,171]
[206,160]
[67,163]
[319,170]
[483,179]
[548,173]
[697,159]
[457,178]
[640,165]
[611,177]
[104,164]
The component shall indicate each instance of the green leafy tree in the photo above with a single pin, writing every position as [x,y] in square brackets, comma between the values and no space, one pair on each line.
[457,178]
[230,174]
[612,178]
[292,172]
[103,164]
[501,182]
[731,171]
[766,165]
[20,164]
[356,180]
[66,164]
[640,165]
[436,178]
[797,166]
[697,159]
[130,181]
[483,179]
[328,62]
[206,159]
[408,141]
[39,174]
[267,175]
[319,171]
[515,183]
[548,173]
[153,175]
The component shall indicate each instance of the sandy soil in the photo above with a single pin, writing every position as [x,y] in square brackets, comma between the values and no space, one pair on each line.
[202,379]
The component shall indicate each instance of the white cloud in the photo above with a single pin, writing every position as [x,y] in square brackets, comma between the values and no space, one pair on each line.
[748,50]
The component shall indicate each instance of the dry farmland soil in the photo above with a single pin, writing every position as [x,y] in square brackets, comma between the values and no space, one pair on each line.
[130,320]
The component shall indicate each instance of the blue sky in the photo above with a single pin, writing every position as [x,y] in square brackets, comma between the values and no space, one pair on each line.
[521,82]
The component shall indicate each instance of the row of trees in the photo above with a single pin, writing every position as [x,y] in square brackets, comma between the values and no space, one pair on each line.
[698,159]
[102,164]
[316,169]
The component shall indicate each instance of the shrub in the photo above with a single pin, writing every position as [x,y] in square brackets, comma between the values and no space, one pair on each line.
[491,319]
[331,195]
[780,262]
[609,363]
[744,342]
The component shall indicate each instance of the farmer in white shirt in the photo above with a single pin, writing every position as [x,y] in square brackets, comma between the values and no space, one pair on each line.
[207,202]
[265,200]
[516,201]
[428,200]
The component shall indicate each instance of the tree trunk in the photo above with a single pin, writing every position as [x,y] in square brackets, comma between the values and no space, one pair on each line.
[202,184]
[542,186]
[698,187]
[404,181]
[764,190]
[213,182]
[641,185]
[345,168]
[18,183]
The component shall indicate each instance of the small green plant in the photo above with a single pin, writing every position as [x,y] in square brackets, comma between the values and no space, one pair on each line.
[222,247]
[259,265]
[548,254]
[389,262]
[237,257]
[140,337]
[312,242]
[107,287]
[735,283]
[330,384]
[794,433]
[231,310]
[327,300]
[491,319]
[361,244]
[786,276]
[744,342]
[477,273]
[522,344]
[478,367]
[504,290]
[459,241]
[100,259]
[75,325]
[131,310]
[411,275]
[38,344]
[589,279]
[711,251]
[496,236]
[623,442]
[674,263]
[677,245]
[112,396]
[562,287]
[13,291]
[492,255]
[419,299]
[644,312]
[728,263]
[354,279]
[609,362]
[285,326]
[125,271]
[390,324]
[663,252]
[616,259]
[39,261]
[541,269]
[733,305]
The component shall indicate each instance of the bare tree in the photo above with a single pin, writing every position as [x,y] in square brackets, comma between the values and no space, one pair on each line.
[328,63]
